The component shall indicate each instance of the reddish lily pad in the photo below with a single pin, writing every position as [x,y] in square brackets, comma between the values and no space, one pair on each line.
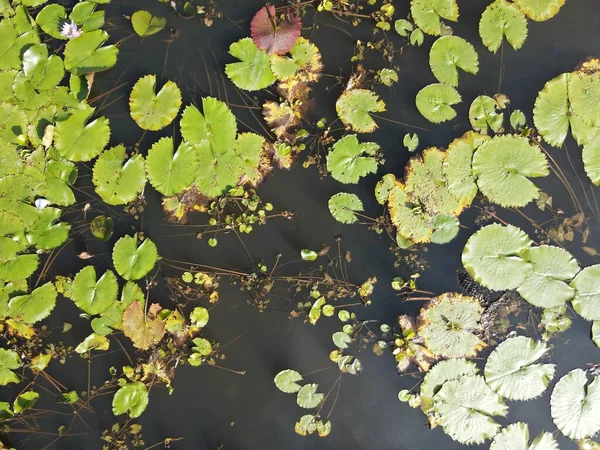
[273,33]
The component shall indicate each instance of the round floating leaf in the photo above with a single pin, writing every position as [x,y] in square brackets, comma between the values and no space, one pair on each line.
[145,331]
[383,188]
[449,324]
[286,381]
[483,114]
[132,398]
[119,183]
[596,333]
[253,72]
[450,53]
[551,110]
[145,24]
[32,308]
[168,172]
[308,397]
[448,370]
[60,176]
[102,227]
[199,317]
[25,401]
[133,262]
[51,19]
[272,33]
[445,228]
[349,160]
[150,110]
[435,101]
[587,293]
[545,286]
[354,107]
[410,221]
[575,405]
[513,372]
[343,206]
[91,296]
[427,14]
[341,339]
[502,166]
[466,407]
[9,360]
[18,268]
[93,342]
[42,71]
[492,257]
[516,437]
[457,169]
[540,10]
[77,140]
[85,54]
[306,425]
[591,160]
[584,90]
[502,19]
[217,125]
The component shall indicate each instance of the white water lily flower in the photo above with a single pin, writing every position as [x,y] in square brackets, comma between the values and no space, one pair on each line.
[70,30]
[41,203]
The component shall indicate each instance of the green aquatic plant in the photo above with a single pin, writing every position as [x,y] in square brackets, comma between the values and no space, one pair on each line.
[253,71]
[485,113]
[344,206]
[349,160]
[273,33]
[153,110]
[118,180]
[355,106]
[502,19]
[516,437]
[450,53]
[435,102]
[427,14]
[145,24]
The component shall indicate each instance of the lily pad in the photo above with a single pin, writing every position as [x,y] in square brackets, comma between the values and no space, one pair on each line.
[492,256]
[349,160]
[540,10]
[216,124]
[77,139]
[445,228]
[272,33]
[575,405]
[427,14]
[449,325]
[145,24]
[32,308]
[86,54]
[132,398]
[587,293]
[343,206]
[551,110]
[516,437]
[546,286]
[513,371]
[484,115]
[9,361]
[91,296]
[150,110]
[144,330]
[410,221]
[253,72]
[435,101]
[286,381]
[355,106]
[502,19]
[503,166]
[117,181]
[308,397]
[133,262]
[450,53]
[168,172]
[42,71]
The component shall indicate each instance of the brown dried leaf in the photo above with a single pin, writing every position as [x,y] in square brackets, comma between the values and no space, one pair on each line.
[144,332]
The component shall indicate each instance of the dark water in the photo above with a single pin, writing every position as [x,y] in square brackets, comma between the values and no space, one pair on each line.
[211,406]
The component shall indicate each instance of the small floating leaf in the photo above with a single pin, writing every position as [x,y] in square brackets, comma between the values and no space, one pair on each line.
[411,141]
[445,228]
[502,19]
[150,110]
[32,308]
[102,227]
[286,381]
[354,107]
[540,10]
[119,181]
[25,401]
[308,397]
[145,24]
[85,54]
[133,262]
[9,361]
[435,101]
[91,296]
[483,114]
[575,405]
[349,160]
[516,437]
[450,53]
[132,398]
[272,33]
[171,172]
[587,293]
[343,206]
[551,111]
[427,14]
[341,339]
[78,140]
[145,331]
[253,72]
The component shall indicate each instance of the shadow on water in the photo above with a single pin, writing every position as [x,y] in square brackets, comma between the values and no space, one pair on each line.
[210,405]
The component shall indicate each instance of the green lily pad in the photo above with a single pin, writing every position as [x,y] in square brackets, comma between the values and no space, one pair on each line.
[9,360]
[343,206]
[150,110]
[60,176]
[308,397]
[484,115]
[32,308]
[502,19]
[516,437]
[131,398]
[349,160]
[540,10]
[171,172]
[145,24]
[51,19]
[77,139]
[587,293]
[354,107]
[435,101]
[217,125]
[450,53]
[253,72]
[42,71]
[384,187]
[410,221]
[85,54]
[131,261]
[427,14]
[287,381]
[14,44]
[492,256]
[91,296]
[551,110]
[119,181]
[445,228]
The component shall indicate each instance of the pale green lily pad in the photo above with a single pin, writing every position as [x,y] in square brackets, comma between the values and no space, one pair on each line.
[427,14]
[131,261]
[14,43]
[410,221]
[85,54]
[343,206]
[492,256]
[131,398]
[349,160]
[60,176]
[253,72]
[445,228]
[450,53]
[502,19]
[145,24]
[575,405]
[77,139]
[516,437]
[354,108]
[32,308]
[18,268]
[286,381]
[503,166]
[447,370]
[591,160]
[42,71]
[484,114]
[551,110]
[9,360]
[596,333]
[51,18]
[513,371]
[449,325]
[308,397]
[384,187]
[546,286]
[171,172]
[587,293]
[119,181]
[217,125]
[435,101]
[151,110]
[91,296]
[540,10]
[466,408]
